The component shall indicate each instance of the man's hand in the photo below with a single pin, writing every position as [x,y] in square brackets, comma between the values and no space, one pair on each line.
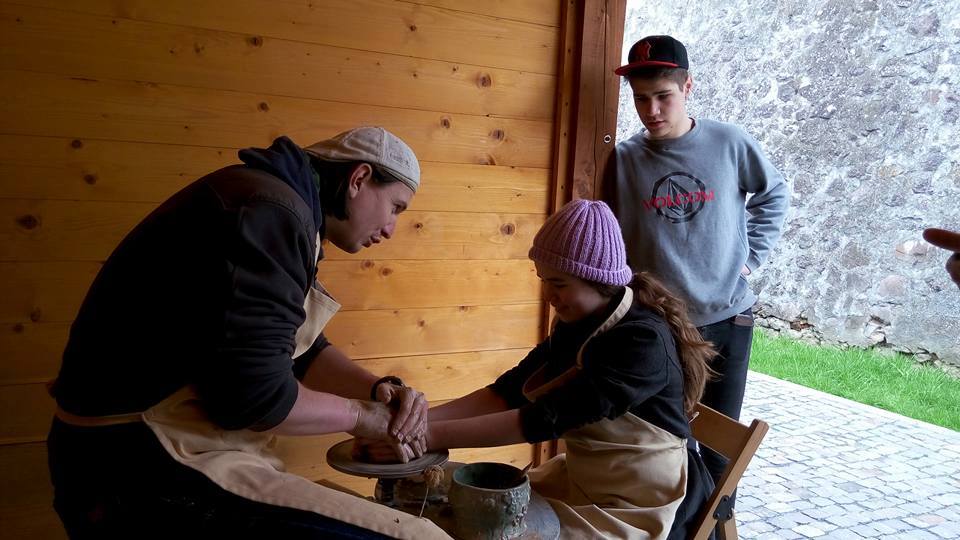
[373,422]
[953,268]
[409,424]
[949,241]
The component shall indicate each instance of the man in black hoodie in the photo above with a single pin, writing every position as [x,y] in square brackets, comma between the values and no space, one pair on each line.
[214,293]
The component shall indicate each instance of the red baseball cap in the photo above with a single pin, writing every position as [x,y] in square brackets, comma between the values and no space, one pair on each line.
[655,51]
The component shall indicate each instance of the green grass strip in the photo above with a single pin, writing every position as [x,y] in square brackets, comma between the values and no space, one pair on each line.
[891,382]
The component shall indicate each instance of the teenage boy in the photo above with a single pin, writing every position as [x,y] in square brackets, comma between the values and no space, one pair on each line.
[680,190]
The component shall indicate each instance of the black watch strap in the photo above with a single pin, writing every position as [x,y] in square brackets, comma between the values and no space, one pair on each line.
[388,379]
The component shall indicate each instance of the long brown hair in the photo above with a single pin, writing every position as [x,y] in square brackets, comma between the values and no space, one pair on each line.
[694,352]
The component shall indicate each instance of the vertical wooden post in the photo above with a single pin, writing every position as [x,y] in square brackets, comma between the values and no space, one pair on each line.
[586,112]
[594,102]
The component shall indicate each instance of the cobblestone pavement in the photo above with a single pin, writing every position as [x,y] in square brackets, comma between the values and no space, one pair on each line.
[832,468]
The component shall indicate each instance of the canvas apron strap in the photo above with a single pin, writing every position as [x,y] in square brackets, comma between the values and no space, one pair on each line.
[594,499]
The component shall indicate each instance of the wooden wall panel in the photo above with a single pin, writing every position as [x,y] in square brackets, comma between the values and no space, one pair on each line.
[61,106]
[47,291]
[31,352]
[95,170]
[52,291]
[546,12]
[100,47]
[402,332]
[374,333]
[396,27]
[40,230]
[370,284]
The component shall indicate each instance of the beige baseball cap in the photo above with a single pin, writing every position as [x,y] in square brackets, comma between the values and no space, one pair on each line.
[373,145]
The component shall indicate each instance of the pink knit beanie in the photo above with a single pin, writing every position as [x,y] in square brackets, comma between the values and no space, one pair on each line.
[583,239]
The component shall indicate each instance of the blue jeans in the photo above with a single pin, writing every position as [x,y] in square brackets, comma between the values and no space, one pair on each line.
[732,338]
[118,482]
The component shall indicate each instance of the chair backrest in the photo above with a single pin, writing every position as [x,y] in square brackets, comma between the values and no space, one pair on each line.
[736,442]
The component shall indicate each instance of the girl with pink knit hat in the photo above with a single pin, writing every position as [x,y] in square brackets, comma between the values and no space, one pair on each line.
[615,380]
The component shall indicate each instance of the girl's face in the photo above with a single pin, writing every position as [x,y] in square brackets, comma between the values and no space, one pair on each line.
[573,298]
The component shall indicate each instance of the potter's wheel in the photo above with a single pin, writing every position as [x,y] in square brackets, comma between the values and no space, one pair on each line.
[341,459]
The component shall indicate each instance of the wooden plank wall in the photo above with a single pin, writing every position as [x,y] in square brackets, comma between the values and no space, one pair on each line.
[110,106]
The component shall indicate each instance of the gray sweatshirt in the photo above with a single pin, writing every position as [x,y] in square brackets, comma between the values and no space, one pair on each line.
[682,204]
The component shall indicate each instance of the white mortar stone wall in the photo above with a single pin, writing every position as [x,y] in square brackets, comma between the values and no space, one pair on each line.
[857,103]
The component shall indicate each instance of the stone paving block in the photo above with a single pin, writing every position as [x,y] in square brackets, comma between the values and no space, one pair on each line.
[780,507]
[866,531]
[915,508]
[946,530]
[844,534]
[917,523]
[844,520]
[755,528]
[919,534]
[821,501]
[745,517]
[948,499]
[896,524]
[883,528]
[888,513]
[809,531]
[783,522]
[800,518]
[824,512]
[875,504]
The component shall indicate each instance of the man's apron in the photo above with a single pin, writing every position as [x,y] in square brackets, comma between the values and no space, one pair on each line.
[621,478]
[243,461]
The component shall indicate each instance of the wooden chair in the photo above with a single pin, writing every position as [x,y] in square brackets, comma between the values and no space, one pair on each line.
[736,442]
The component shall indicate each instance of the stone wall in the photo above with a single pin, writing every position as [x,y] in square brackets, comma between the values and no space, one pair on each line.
[857,103]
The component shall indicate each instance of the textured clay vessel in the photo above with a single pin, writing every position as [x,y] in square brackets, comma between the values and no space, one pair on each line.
[489,501]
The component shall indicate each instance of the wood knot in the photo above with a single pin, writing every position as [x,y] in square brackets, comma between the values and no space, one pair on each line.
[413,28]
[366,265]
[255,41]
[464,308]
[28,222]
[386,271]
[76,143]
[488,160]
[484,81]
[418,225]
[35,315]
[445,123]
[198,48]
[498,134]
[263,106]
[18,328]
[421,323]
[90,179]
[508,229]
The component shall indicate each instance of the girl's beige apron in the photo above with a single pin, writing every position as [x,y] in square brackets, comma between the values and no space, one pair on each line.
[243,462]
[621,478]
